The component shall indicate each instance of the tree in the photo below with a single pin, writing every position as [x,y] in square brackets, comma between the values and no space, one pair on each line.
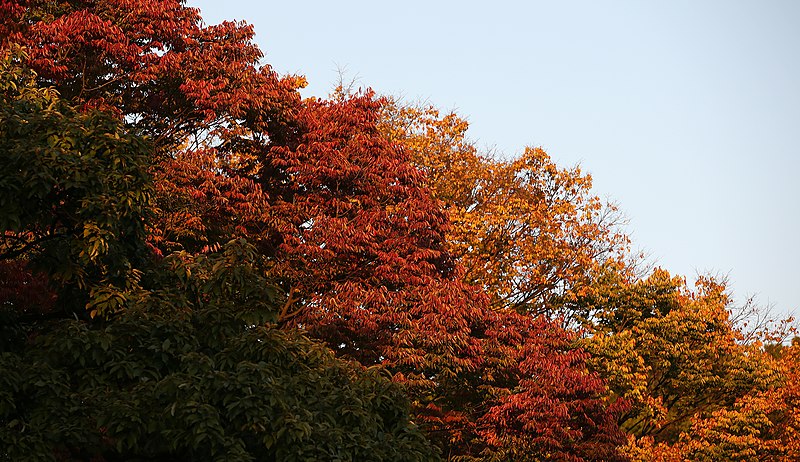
[344,221]
[542,400]
[74,192]
[200,206]
[760,426]
[385,291]
[190,371]
[527,231]
[193,90]
[198,92]
[671,351]
[153,62]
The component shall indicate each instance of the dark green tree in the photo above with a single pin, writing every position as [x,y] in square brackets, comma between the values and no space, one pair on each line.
[193,370]
[74,192]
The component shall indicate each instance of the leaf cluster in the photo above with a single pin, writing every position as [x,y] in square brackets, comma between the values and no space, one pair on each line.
[74,189]
[191,371]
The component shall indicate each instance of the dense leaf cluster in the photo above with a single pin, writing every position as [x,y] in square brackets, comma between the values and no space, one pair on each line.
[190,371]
[74,188]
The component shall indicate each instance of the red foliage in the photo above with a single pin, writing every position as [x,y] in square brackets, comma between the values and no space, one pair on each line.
[363,253]
[351,206]
[200,207]
[547,401]
[152,61]
[23,291]
[344,218]
[198,91]
[530,396]
[11,12]
[362,247]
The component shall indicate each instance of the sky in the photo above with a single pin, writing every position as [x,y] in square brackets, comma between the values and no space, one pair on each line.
[685,113]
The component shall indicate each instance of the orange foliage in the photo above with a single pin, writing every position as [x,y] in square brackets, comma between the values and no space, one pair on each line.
[526,231]
[760,426]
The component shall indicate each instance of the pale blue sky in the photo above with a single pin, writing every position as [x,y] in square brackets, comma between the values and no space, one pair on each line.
[686,113]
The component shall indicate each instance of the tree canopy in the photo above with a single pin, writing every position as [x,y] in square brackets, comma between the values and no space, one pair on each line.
[198,264]
[190,371]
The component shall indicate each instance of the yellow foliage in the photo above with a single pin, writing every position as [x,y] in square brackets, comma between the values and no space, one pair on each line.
[670,351]
[526,231]
[760,426]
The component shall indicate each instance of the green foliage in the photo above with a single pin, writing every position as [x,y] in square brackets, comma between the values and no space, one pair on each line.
[74,190]
[189,371]
[671,351]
